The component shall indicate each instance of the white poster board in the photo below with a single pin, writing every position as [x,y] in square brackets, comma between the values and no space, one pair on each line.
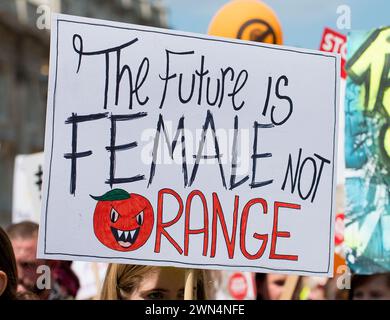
[180,149]
[91,276]
[27,187]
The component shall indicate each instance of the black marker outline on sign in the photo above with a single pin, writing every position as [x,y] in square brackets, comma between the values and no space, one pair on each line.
[257,267]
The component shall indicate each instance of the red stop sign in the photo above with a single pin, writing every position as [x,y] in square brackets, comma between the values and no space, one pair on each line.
[238,286]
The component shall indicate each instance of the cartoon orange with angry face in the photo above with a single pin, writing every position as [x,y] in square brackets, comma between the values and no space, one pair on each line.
[122,221]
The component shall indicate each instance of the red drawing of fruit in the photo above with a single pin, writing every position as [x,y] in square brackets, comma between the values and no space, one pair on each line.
[122,221]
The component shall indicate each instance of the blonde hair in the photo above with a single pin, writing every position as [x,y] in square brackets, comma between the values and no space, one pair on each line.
[127,278]
[123,277]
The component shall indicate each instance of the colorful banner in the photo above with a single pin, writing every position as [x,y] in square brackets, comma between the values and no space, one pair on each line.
[367,150]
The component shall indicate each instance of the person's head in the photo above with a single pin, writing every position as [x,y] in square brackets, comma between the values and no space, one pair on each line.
[24,239]
[8,273]
[136,282]
[370,287]
[270,286]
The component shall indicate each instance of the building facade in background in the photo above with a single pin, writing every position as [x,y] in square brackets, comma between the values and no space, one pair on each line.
[24,60]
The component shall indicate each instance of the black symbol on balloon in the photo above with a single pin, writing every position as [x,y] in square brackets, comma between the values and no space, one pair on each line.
[38,174]
[259,30]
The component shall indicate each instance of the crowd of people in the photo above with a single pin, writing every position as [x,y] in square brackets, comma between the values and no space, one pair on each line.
[20,278]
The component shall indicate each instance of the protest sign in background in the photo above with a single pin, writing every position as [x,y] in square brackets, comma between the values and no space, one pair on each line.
[367,152]
[171,148]
[232,285]
[91,276]
[333,41]
[27,189]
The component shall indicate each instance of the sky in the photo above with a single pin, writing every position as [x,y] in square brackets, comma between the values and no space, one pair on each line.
[302,20]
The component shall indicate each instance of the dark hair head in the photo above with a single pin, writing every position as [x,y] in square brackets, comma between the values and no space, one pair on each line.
[25,230]
[359,280]
[8,265]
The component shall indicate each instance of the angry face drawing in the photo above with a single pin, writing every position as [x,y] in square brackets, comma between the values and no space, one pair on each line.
[122,221]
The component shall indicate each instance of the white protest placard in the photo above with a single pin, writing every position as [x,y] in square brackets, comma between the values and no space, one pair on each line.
[27,187]
[172,148]
[91,276]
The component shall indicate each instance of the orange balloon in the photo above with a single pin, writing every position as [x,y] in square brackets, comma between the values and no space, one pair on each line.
[247,20]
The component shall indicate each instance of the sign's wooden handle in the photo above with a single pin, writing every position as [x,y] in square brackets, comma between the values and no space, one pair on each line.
[190,285]
[289,287]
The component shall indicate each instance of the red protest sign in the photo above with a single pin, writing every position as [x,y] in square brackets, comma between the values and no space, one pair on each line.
[333,41]
[238,286]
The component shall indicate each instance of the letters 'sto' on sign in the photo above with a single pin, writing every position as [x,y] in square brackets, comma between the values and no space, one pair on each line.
[180,149]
